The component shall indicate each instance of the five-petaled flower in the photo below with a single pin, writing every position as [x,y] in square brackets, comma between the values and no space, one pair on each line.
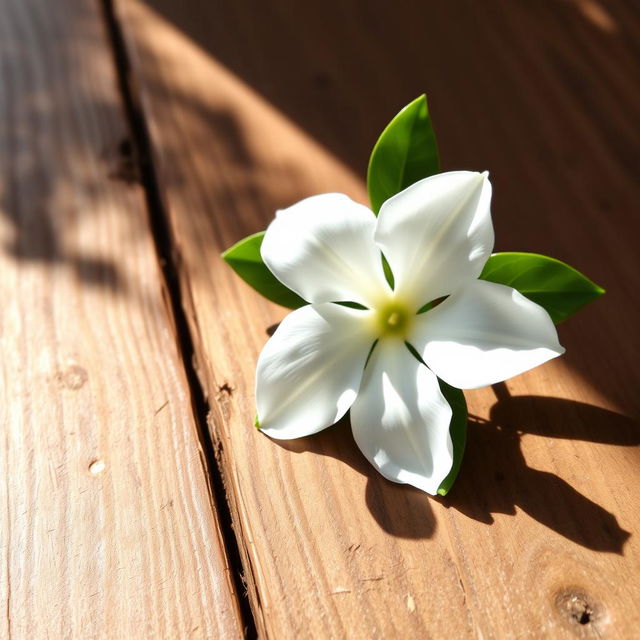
[436,236]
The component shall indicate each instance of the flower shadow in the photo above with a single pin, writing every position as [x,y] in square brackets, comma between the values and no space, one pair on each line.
[495,478]
[399,510]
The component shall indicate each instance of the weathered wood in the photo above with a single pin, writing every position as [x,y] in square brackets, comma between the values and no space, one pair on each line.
[107,526]
[252,106]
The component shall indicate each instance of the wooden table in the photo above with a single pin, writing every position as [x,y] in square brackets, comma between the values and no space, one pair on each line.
[138,139]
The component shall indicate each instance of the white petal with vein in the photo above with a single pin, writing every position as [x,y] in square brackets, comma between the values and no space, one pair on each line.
[310,370]
[323,249]
[437,234]
[484,333]
[400,419]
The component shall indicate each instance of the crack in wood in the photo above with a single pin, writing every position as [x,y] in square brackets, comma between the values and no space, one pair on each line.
[140,151]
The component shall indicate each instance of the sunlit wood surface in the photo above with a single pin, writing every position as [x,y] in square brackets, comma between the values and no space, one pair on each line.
[107,527]
[250,106]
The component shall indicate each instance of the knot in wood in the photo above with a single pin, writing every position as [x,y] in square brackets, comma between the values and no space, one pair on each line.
[581,613]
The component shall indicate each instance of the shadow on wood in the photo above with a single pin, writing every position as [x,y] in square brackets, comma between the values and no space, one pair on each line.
[494,477]
[50,193]
[400,510]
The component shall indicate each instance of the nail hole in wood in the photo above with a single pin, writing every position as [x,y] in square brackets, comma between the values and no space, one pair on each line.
[97,467]
[72,378]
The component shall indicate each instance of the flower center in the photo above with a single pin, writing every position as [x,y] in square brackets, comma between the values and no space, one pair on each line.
[394,318]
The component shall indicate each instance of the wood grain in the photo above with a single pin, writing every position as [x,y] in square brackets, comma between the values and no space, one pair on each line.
[252,106]
[107,527]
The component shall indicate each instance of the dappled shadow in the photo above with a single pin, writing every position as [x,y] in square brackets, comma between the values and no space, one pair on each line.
[360,61]
[61,137]
[494,477]
[212,162]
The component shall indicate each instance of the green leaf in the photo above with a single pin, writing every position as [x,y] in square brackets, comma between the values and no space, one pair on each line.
[554,285]
[458,431]
[405,153]
[245,259]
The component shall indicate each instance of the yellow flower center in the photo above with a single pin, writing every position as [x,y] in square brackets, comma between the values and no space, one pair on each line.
[394,319]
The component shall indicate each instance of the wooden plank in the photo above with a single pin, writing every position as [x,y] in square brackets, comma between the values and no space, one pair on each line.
[107,526]
[254,105]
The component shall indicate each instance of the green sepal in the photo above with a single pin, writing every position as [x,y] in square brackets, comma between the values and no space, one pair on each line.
[557,287]
[405,152]
[457,430]
[388,274]
[245,259]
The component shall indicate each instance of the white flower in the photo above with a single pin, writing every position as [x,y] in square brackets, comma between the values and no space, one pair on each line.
[436,236]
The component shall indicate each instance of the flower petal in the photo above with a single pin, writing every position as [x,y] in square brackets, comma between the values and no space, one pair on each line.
[310,369]
[437,234]
[484,333]
[323,249]
[400,419]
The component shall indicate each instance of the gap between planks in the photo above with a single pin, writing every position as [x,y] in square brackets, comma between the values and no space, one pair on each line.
[143,158]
